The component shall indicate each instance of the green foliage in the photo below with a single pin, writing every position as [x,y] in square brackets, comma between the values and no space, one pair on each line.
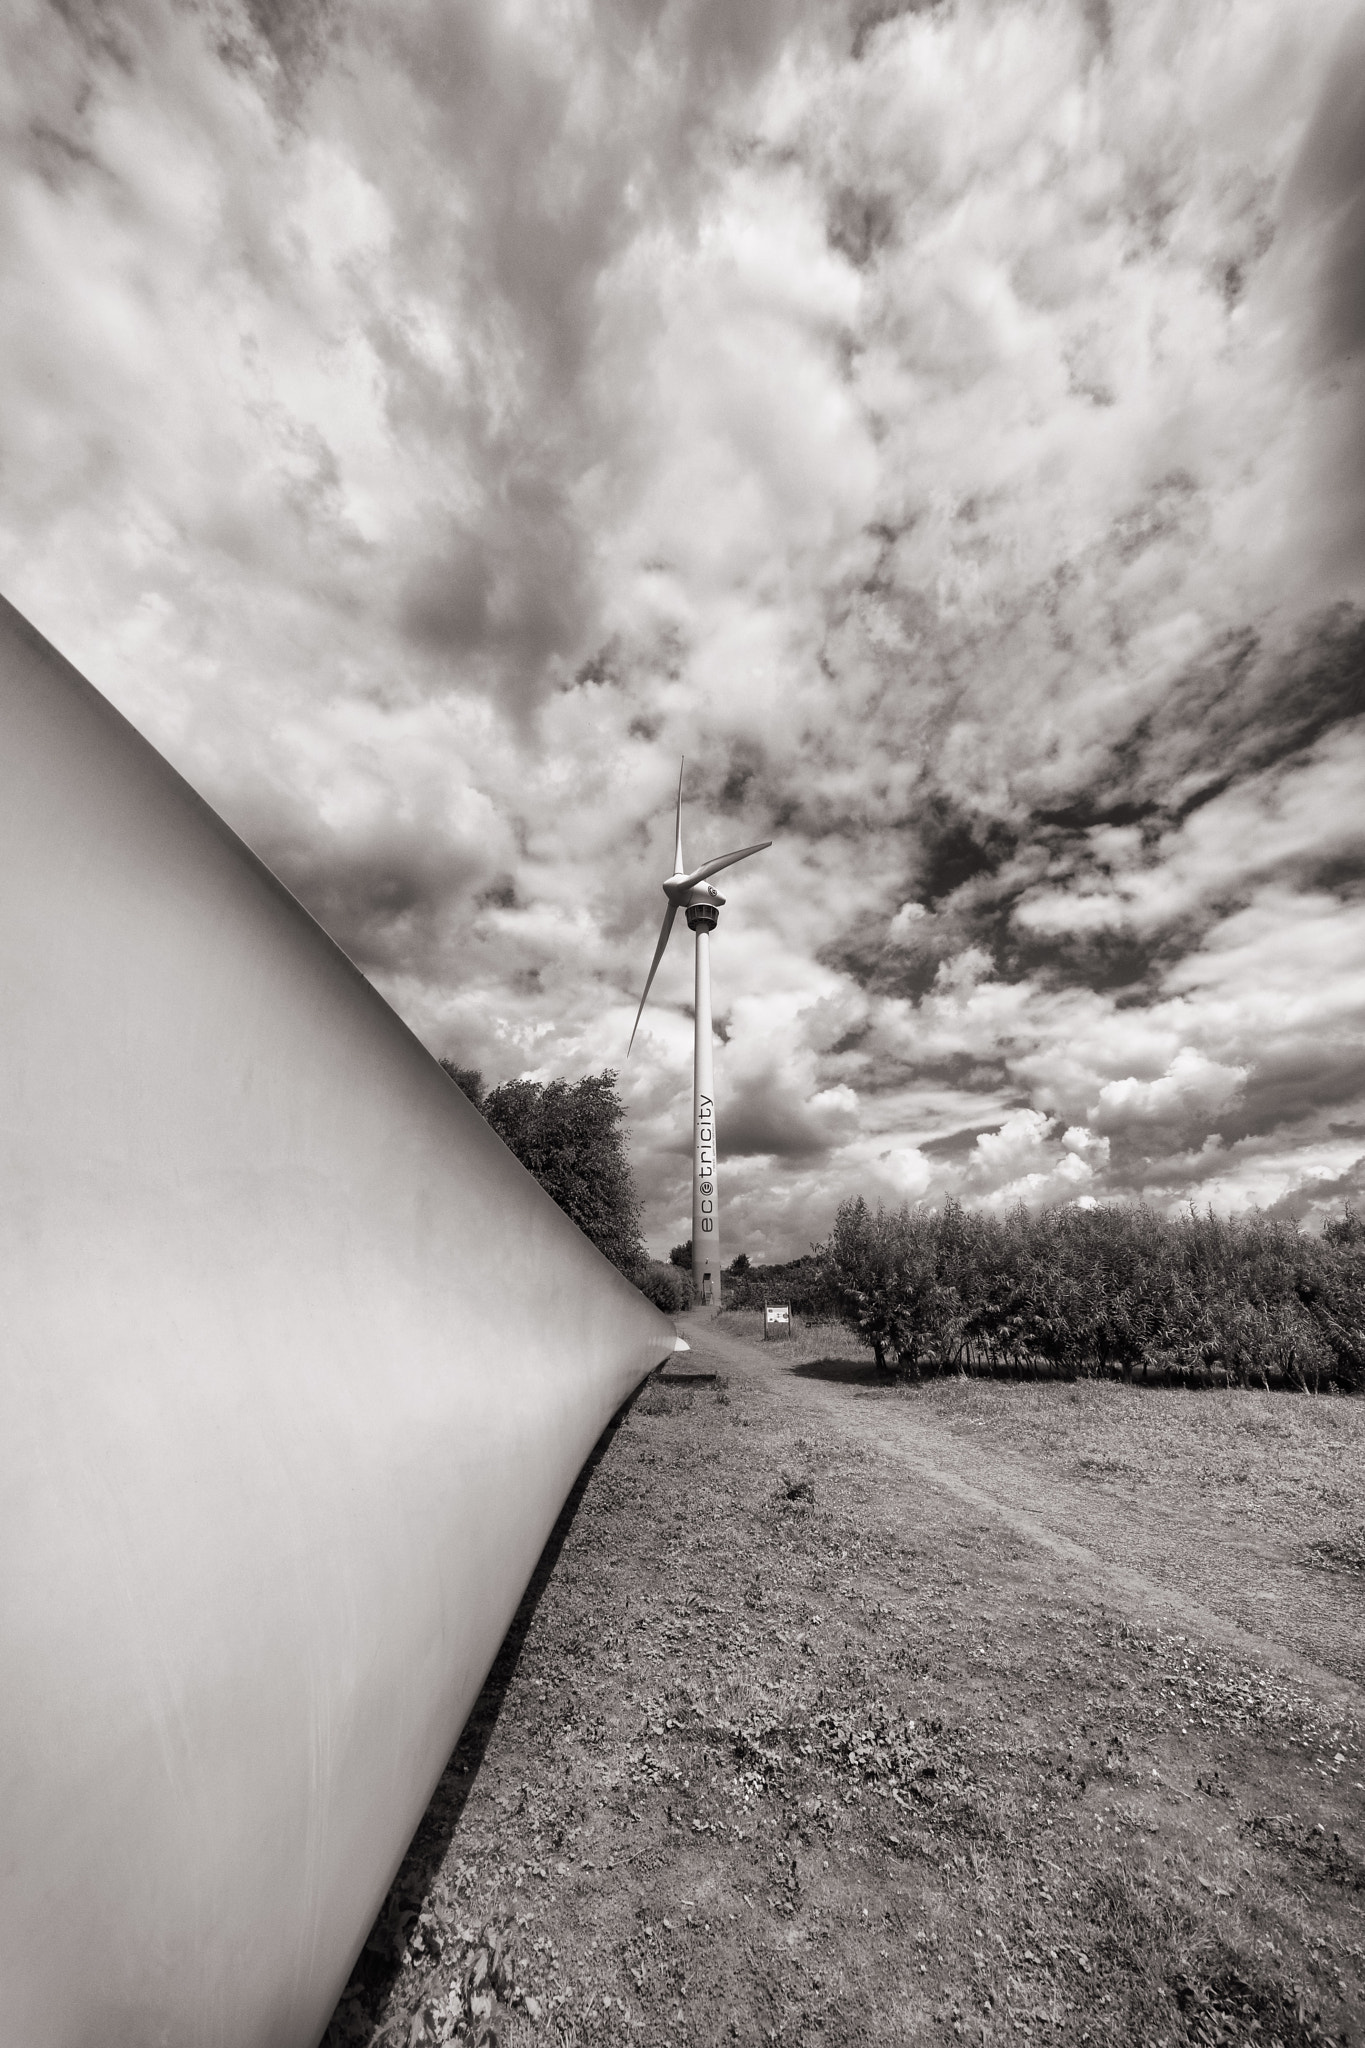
[468,1079]
[681,1255]
[738,1266]
[665,1286]
[888,1281]
[802,1283]
[1116,1289]
[1348,1228]
[571,1136]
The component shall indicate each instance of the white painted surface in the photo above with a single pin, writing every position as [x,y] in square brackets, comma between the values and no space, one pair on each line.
[298,1367]
[705,1156]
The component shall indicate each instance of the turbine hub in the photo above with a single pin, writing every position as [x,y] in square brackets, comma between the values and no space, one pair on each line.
[702,917]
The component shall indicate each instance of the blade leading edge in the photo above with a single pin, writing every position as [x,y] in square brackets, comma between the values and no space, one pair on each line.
[677,851]
[665,929]
[726,860]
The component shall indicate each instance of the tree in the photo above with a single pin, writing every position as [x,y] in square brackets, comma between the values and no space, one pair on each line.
[1247,1300]
[468,1080]
[1348,1228]
[739,1265]
[665,1286]
[681,1255]
[571,1136]
[883,1274]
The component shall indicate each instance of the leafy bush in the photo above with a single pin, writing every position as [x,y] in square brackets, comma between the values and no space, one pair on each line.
[1241,1301]
[802,1283]
[571,1136]
[1348,1228]
[888,1281]
[665,1286]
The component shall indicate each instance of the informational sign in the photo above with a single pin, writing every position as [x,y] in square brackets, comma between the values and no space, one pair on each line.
[777,1319]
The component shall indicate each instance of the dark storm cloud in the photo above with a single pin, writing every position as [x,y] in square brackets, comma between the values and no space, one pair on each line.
[1290,1089]
[935,421]
[956,1145]
[509,587]
[1246,721]
[1252,704]
[297,33]
[1325,213]
[1329,184]
[770,1119]
[977,912]
[383,894]
[1254,707]
[956,849]
[867,16]
[535,209]
[1327,1194]
[1117,963]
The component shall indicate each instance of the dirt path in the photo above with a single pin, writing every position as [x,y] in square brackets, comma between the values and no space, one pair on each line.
[1037,1510]
[840,1717]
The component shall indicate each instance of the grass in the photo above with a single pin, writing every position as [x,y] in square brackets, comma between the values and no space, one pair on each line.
[1242,1498]
[793,1744]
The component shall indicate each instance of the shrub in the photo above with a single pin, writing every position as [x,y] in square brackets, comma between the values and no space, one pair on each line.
[1348,1228]
[1115,1289]
[665,1286]
[802,1283]
[571,1136]
[885,1276]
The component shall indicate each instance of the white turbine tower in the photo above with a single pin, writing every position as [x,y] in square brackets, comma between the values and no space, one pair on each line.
[692,892]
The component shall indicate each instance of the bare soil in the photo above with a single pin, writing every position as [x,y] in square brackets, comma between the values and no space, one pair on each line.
[841,1711]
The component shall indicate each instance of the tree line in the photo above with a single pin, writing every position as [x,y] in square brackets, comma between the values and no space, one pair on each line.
[571,1135]
[1112,1290]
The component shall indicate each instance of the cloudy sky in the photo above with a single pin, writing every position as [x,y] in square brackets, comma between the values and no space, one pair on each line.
[944,424]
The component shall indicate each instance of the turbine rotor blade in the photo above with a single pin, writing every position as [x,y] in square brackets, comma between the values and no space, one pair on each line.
[724,860]
[664,931]
[677,853]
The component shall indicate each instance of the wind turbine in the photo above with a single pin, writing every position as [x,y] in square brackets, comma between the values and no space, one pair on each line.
[692,893]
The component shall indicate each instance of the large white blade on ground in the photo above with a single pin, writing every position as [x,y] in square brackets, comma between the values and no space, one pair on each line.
[724,860]
[664,931]
[677,848]
[299,1366]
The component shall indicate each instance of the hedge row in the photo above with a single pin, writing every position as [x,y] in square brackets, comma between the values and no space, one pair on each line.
[1116,1289]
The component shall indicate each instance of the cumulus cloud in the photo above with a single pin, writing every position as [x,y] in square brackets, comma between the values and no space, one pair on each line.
[944,426]
[1020,1162]
[1193,1086]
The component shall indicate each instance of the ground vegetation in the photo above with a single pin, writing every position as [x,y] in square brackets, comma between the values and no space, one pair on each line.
[572,1136]
[1116,1290]
[851,1712]
[666,1287]
[803,1284]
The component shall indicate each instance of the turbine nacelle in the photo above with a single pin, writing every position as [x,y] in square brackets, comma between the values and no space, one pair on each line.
[681,890]
[687,891]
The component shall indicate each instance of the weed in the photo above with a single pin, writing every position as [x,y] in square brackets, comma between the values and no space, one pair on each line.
[793,1750]
[1225,2001]
[1342,1553]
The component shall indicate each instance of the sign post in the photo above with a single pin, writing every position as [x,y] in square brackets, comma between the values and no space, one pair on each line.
[777,1321]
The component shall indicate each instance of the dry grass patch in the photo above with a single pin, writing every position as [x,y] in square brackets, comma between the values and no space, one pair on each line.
[786,1750]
